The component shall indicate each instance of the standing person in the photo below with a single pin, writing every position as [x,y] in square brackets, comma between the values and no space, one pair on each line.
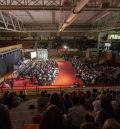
[1,87]
[24,84]
[11,83]
[6,84]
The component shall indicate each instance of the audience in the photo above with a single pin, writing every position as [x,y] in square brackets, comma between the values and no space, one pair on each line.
[40,72]
[69,110]
[77,111]
[94,72]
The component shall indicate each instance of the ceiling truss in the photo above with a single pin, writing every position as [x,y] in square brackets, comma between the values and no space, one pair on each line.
[111,20]
[35,5]
[9,22]
[52,4]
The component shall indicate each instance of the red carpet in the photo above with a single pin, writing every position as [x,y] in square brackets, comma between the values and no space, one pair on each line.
[65,78]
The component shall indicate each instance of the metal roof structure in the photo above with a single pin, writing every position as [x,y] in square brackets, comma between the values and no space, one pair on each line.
[59,15]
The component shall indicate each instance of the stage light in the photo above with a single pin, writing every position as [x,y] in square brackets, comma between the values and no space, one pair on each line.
[65,47]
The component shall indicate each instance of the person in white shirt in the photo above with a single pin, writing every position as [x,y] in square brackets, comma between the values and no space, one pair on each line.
[77,113]
[97,104]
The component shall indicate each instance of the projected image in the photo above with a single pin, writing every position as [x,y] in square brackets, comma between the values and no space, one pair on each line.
[33,55]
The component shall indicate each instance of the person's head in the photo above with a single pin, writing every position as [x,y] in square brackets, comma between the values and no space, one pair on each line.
[6,94]
[106,103]
[75,101]
[21,92]
[67,97]
[42,93]
[56,100]
[52,119]
[5,121]
[111,124]
[87,125]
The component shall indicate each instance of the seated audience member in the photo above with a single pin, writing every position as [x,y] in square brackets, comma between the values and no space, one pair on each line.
[14,100]
[77,114]
[106,111]
[22,95]
[56,100]
[88,125]
[42,101]
[97,104]
[116,108]
[67,101]
[111,124]
[5,121]
[52,119]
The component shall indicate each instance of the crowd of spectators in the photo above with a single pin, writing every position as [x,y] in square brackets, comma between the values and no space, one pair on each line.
[75,110]
[93,72]
[80,110]
[8,101]
[12,100]
[39,71]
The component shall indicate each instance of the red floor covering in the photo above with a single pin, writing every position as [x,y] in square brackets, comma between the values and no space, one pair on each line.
[66,78]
